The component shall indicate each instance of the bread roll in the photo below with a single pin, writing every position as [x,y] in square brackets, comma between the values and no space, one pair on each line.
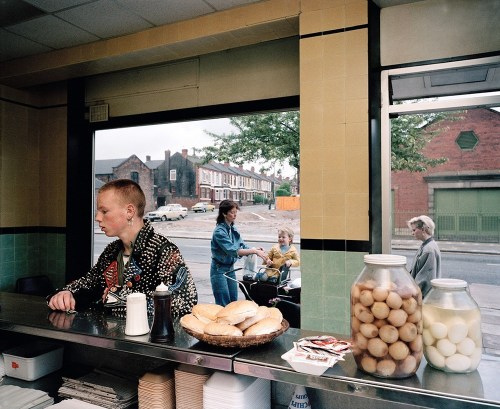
[236,312]
[265,326]
[216,328]
[275,313]
[262,312]
[189,321]
[206,312]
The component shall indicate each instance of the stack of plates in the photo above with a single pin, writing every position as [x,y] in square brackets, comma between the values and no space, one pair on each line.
[231,391]
[189,382]
[15,397]
[157,391]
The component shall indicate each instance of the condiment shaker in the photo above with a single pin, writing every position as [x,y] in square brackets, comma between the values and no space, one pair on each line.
[163,328]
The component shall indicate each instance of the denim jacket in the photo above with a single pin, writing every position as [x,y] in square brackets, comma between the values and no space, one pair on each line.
[226,241]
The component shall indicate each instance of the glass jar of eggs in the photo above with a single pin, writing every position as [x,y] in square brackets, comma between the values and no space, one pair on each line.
[452,327]
[386,318]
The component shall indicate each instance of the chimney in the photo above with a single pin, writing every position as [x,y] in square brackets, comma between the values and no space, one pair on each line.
[253,169]
[240,167]
[167,154]
[148,158]
[184,153]
[226,164]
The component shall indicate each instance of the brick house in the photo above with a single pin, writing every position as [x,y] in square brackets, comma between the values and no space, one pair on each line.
[129,168]
[463,194]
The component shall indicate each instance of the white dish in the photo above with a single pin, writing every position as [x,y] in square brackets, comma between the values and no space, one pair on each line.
[310,368]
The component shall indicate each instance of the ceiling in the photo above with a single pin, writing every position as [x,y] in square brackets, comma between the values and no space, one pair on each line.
[30,27]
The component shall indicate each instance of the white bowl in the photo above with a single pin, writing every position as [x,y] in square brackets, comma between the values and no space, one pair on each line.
[310,368]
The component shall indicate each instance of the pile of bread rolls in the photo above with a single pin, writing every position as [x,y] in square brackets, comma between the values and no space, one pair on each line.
[386,327]
[239,318]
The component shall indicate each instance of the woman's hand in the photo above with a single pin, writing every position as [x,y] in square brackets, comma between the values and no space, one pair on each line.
[62,301]
[262,254]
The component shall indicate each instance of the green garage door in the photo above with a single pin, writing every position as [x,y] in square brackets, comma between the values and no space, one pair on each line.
[468,214]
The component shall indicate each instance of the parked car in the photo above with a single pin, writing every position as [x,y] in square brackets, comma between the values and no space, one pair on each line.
[203,207]
[165,213]
[183,211]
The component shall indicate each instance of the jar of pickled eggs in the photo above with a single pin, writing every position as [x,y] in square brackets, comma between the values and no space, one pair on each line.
[386,318]
[452,327]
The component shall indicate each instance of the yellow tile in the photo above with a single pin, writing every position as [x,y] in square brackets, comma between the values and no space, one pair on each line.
[311,48]
[310,182]
[357,41]
[312,205]
[333,18]
[333,158]
[309,5]
[356,110]
[310,21]
[356,87]
[334,180]
[311,227]
[335,112]
[311,71]
[356,63]
[334,89]
[356,13]
[333,65]
[356,133]
[334,136]
[357,161]
[334,225]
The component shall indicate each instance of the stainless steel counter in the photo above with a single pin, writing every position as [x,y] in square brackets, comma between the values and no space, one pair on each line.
[429,387]
[30,315]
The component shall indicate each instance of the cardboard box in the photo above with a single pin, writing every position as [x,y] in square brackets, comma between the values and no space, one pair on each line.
[32,361]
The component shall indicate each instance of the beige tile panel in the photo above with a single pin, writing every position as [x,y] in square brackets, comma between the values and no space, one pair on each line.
[335,112]
[334,87]
[356,87]
[357,110]
[357,41]
[356,13]
[357,216]
[358,169]
[310,183]
[333,159]
[356,63]
[311,227]
[310,5]
[356,133]
[334,226]
[335,136]
[334,180]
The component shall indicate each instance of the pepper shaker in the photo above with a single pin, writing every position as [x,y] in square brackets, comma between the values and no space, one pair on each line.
[163,328]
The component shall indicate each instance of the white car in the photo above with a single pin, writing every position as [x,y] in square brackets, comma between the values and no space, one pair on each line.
[164,213]
[183,211]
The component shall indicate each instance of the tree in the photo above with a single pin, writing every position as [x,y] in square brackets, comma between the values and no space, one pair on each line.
[409,136]
[284,189]
[269,139]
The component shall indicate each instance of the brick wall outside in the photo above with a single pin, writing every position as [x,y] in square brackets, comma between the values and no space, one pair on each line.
[410,189]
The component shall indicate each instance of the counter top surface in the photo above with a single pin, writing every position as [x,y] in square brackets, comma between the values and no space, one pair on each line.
[429,387]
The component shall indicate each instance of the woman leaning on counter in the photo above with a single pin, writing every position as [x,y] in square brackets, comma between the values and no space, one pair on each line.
[137,262]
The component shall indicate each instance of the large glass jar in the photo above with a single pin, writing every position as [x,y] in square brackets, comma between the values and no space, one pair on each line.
[386,318]
[452,327]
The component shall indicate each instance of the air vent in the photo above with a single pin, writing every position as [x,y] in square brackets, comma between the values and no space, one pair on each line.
[467,140]
[99,113]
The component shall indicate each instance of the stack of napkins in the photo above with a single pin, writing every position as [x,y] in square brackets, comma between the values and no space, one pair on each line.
[74,404]
[157,391]
[14,397]
[2,367]
[102,389]
[189,382]
[231,391]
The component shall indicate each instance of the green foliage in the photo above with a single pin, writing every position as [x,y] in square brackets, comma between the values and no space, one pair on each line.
[285,187]
[282,192]
[264,138]
[259,199]
[409,136]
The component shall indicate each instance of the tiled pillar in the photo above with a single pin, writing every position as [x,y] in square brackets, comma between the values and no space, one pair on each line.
[334,144]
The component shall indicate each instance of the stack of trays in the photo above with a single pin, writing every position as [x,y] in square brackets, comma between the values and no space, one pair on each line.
[156,391]
[231,391]
[189,382]
[15,397]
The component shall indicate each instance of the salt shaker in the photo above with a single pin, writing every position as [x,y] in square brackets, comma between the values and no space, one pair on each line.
[163,328]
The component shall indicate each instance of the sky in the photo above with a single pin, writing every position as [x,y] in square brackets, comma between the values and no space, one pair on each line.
[154,140]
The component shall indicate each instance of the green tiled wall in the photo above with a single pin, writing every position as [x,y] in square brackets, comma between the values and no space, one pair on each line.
[30,254]
[327,277]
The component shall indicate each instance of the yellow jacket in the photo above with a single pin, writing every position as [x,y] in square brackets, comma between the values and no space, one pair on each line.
[278,258]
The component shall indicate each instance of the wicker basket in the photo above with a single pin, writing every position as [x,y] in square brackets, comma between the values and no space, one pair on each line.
[238,342]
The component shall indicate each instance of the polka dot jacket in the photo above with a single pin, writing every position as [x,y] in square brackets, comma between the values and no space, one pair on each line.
[154,259]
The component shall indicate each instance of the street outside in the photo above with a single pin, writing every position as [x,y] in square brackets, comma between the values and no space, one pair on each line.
[476,263]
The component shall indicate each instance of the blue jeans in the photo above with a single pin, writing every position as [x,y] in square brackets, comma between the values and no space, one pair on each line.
[225,290]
